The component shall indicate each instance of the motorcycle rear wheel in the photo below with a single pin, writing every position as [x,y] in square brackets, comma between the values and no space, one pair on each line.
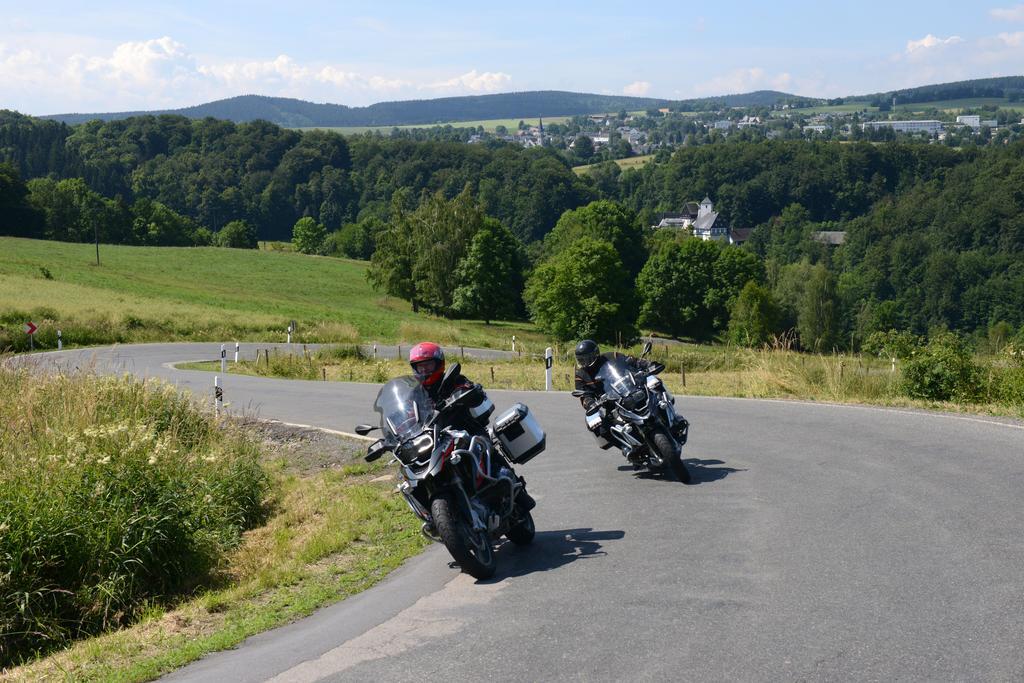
[671,456]
[470,549]
[523,532]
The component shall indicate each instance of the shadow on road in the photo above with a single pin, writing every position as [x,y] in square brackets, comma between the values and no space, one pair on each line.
[551,550]
[701,471]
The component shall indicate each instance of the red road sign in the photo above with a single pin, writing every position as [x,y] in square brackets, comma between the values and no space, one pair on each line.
[30,328]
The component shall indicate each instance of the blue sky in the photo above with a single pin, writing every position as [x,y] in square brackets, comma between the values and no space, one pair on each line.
[105,56]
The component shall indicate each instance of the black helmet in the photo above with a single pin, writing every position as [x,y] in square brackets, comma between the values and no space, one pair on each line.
[587,353]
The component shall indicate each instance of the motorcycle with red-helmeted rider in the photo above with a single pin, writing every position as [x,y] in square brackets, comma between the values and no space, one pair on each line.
[455,464]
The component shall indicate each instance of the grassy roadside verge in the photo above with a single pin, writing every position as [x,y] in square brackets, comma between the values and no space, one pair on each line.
[694,370]
[332,527]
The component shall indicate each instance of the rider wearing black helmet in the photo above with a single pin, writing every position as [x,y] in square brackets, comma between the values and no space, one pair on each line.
[589,361]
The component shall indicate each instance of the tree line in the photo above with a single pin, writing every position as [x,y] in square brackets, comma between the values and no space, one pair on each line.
[933,235]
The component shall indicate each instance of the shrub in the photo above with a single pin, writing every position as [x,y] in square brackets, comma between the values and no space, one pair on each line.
[892,344]
[1009,386]
[203,237]
[114,494]
[308,236]
[238,235]
[944,370]
[355,240]
[756,318]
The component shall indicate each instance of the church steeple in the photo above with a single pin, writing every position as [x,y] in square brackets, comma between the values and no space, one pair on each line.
[706,207]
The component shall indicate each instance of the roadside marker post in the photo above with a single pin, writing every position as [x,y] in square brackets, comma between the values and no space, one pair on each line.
[60,342]
[30,329]
[289,335]
[513,343]
[375,352]
[548,362]
[223,360]
[218,395]
[236,352]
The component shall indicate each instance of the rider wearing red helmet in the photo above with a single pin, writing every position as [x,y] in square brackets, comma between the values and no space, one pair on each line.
[427,362]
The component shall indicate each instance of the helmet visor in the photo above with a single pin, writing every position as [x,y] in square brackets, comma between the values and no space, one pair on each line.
[425,368]
[586,359]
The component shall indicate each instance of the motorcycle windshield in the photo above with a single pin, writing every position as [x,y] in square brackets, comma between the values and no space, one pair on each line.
[404,408]
[617,378]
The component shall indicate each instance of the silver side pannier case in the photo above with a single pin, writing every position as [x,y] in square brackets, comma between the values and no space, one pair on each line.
[519,433]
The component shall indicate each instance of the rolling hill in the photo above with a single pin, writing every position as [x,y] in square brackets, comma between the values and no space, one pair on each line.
[295,113]
[1011,87]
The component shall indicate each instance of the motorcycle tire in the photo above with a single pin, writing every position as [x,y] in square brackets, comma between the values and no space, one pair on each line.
[671,456]
[472,550]
[523,532]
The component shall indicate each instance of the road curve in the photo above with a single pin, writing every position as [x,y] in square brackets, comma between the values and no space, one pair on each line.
[820,542]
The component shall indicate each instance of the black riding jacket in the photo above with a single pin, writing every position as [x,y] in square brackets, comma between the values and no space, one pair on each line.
[588,381]
[460,419]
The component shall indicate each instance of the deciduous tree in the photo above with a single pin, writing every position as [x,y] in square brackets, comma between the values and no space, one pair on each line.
[308,236]
[490,275]
[583,291]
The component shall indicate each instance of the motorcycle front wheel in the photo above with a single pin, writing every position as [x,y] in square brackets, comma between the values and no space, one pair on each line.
[523,532]
[470,549]
[671,456]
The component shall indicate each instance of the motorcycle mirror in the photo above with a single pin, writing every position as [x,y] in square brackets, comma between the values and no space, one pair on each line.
[647,348]
[453,371]
[577,394]
[363,430]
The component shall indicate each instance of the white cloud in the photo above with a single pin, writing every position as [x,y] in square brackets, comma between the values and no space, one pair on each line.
[930,41]
[1012,39]
[163,73]
[283,69]
[148,63]
[473,82]
[1009,13]
[637,88]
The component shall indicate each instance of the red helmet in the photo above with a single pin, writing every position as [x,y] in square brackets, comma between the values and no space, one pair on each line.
[427,361]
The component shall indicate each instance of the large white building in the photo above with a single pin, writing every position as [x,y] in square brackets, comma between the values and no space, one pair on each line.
[930,127]
[972,120]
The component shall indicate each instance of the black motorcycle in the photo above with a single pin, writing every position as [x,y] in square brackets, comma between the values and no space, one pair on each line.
[637,414]
[460,484]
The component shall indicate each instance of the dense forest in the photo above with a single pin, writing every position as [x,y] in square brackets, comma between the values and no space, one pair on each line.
[1011,87]
[934,236]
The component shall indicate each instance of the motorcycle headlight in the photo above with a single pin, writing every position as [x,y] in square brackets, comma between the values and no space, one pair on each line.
[636,399]
[416,449]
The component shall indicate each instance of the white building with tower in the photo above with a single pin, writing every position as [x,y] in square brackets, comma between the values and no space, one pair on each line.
[701,220]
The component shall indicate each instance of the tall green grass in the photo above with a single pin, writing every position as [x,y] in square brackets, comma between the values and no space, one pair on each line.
[115,495]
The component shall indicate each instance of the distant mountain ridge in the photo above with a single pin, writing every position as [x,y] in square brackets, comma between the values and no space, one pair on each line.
[294,113]
[1003,86]
[300,113]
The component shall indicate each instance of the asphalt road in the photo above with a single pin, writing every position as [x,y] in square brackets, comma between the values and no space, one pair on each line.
[820,542]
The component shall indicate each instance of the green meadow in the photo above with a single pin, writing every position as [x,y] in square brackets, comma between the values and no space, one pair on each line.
[628,162]
[141,294]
